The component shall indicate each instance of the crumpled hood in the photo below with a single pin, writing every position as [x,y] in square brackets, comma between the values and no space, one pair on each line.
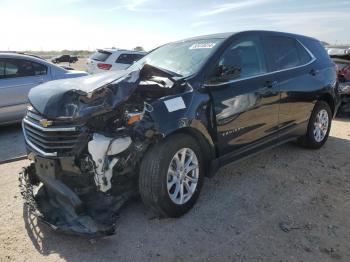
[90,95]
[39,96]
[60,98]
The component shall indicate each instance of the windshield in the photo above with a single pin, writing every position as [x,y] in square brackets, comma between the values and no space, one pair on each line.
[183,58]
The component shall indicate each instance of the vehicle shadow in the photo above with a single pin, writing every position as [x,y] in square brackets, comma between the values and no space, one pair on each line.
[12,143]
[47,242]
[233,181]
[343,118]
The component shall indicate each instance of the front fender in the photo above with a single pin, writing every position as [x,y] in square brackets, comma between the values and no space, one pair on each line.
[193,118]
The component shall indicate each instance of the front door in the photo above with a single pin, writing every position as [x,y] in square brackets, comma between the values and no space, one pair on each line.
[245,97]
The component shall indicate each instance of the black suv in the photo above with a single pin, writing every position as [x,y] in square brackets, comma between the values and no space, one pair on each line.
[175,116]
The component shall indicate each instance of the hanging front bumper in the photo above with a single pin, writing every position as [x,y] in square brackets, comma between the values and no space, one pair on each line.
[57,206]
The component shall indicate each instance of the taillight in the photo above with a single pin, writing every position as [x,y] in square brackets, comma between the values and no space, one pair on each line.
[104,66]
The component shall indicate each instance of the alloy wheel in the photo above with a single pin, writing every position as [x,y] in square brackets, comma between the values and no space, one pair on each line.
[182,177]
[321,125]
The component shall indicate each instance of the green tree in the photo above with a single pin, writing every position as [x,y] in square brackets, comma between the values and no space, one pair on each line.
[139,48]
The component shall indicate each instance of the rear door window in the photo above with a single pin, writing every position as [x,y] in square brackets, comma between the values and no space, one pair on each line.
[285,53]
[101,55]
[128,58]
[11,68]
[18,68]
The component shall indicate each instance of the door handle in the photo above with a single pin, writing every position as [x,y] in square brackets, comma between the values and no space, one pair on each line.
[270,84]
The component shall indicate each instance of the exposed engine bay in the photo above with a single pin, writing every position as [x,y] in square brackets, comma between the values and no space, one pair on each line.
[86,144]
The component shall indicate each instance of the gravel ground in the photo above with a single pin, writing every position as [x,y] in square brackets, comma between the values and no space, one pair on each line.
[80,65]
[11,142]
[286,204]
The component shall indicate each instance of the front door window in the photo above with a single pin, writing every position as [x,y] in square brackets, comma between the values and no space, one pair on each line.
[243,59]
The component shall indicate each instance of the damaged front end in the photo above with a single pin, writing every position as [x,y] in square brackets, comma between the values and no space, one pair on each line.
[85,139]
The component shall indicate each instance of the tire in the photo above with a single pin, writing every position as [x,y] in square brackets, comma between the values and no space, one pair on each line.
[157,174]
[312,140]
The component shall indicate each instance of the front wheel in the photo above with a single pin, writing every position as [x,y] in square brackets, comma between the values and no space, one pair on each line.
[318,127]
[171,176]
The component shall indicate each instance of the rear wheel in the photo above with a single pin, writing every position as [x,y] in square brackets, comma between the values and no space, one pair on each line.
[171,176]
[318,127]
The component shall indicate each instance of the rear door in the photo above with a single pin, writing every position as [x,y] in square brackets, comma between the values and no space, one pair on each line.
[292,66]
[246,106]
[19,76]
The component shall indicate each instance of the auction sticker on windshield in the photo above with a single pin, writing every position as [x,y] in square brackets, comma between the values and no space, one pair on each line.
[202,46]
[175,104]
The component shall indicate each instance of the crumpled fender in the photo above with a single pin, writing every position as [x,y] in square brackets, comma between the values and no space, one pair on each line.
[159,122]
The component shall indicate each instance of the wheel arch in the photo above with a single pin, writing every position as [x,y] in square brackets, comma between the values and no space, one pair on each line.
[205,143]
[328,98]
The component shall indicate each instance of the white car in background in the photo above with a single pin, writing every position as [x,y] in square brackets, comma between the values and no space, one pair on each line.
[111,59]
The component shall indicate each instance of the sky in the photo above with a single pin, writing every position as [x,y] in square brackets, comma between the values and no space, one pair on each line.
[43,25]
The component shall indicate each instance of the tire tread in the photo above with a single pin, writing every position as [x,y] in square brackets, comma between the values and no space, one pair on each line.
[151,176]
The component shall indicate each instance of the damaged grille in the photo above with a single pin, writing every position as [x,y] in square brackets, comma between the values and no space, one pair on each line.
[54,140]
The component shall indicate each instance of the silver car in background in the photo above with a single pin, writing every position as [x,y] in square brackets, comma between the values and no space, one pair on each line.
[18,74]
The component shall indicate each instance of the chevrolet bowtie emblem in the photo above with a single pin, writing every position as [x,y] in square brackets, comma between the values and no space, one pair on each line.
[45,122]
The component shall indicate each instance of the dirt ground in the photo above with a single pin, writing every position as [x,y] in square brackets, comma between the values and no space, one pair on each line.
[79,65]
[286,204]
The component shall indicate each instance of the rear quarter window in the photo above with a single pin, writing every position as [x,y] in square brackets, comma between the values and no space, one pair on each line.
[101,56]
[39,69]
[319,50]
[285,53]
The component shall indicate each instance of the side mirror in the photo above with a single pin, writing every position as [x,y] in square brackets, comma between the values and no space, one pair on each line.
[224,73]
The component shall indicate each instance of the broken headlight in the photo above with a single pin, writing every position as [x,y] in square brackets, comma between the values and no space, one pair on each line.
[133,118]
[135,115]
